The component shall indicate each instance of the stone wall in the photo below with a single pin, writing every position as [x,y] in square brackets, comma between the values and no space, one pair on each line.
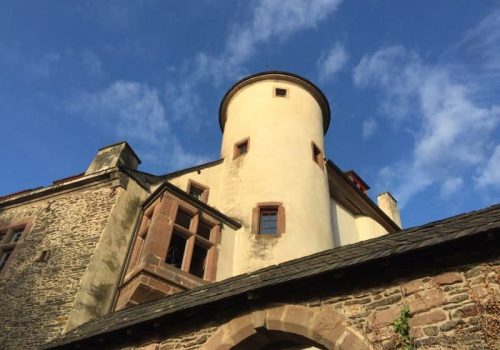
[450,308]
[37,296]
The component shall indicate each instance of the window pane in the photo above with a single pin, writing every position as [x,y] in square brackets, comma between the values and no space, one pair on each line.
[268,221]
[4,257]
[16,236]
[198,261]
[195,191]
[175,252]
[204,230]
[183,218]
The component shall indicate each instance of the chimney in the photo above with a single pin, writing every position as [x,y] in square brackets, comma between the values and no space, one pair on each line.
[115,155]
[389,206]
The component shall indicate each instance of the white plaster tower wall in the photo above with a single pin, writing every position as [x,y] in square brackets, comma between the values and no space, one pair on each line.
[278,167]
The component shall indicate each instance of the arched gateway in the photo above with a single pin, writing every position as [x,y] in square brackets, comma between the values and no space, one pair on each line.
[288,327]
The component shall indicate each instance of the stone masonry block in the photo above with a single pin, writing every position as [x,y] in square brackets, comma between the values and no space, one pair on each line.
[448,278]
[427,318]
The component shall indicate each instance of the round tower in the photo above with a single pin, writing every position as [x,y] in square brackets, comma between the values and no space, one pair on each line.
[274,179]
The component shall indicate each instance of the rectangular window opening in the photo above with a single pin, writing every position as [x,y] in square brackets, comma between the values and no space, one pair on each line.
[268,221]
[196,192]
[4,257]
[204,229]
[175,253]
[280,92]
[198,261]
[16,236]
[317,155]
[183,218]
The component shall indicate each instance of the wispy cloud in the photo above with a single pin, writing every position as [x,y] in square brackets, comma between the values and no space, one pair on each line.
[270,21]
[490,175]
[369,127]
[133,111]
[332,62]
[455,132]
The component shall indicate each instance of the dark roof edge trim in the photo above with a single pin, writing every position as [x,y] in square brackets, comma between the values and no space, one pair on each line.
[307,84]
[191,169]
[387,221]
[193,201]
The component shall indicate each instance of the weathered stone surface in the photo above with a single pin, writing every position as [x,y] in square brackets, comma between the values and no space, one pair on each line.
[448,278]
[427,318]
[38,295]
[426,300]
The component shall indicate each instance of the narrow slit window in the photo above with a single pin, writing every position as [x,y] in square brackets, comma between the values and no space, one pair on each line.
[175,253]
[4,257]
[317,155]
[280,92]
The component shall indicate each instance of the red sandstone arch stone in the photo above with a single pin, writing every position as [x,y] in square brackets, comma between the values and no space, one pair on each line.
[322,324]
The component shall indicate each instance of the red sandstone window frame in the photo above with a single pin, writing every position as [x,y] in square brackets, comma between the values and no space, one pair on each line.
[317,155]
[269,207]
[203,189]
[158,225]
[7,244]
[241,148]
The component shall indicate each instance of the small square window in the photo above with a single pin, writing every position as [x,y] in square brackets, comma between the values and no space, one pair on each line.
[241,148]
[268,219]
[198,191]
[280,92]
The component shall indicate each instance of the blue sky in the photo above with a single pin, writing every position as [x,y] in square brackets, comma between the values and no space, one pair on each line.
[414,87]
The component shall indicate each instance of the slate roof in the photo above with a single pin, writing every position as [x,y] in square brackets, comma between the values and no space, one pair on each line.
[474,223]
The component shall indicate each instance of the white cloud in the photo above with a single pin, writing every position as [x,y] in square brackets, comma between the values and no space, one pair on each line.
[332,62]
[482,43]
[454,131]
[270,21]
[490,174]
[134,112]
[369,127]
[450,186]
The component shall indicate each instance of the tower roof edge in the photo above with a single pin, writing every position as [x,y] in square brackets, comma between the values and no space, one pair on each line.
[271,75]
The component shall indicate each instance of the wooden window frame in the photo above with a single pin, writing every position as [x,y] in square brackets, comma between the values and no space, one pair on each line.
[317,155]
[237,147]
[204,189]
[7,232]
[281,218]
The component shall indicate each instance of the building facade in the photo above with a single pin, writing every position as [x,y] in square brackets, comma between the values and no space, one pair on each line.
[84,261]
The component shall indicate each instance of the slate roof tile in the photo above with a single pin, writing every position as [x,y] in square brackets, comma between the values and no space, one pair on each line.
[447,230]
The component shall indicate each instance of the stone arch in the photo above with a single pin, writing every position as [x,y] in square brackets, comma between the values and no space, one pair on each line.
[323,325]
